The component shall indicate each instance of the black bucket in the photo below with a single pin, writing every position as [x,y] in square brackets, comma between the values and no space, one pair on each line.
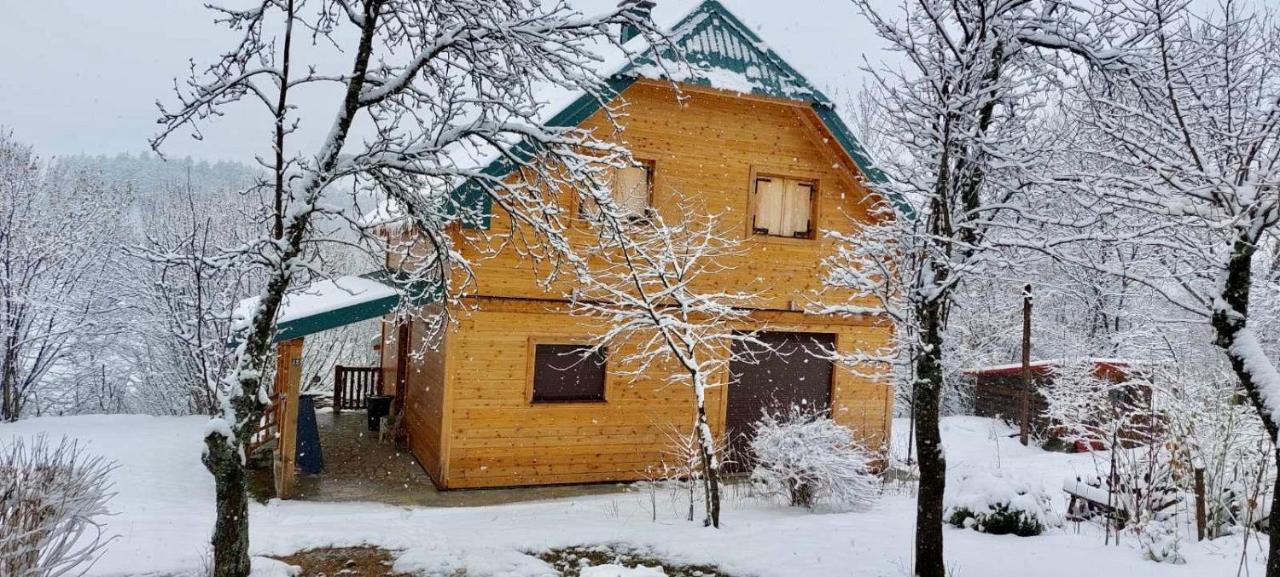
[378,406]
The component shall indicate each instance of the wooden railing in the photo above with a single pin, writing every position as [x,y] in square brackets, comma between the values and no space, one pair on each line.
[268,427]
[352,385]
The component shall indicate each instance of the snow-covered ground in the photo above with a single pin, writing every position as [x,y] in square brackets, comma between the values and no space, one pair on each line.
[164,512]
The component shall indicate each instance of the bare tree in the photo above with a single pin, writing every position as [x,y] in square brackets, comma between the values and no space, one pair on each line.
[48,269]
[436,86]
[964,112]
[187,295]
[644,288]
[1189,149]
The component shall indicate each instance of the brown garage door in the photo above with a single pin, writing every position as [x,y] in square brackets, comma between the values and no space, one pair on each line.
[790,371]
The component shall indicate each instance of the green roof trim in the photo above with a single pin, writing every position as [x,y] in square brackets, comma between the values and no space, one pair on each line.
[713,41]
[414,292]
[871,172]
[472,197]
[309,325]
[715,44]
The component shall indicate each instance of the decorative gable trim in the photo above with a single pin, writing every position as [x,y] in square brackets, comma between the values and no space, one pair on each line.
[722,52]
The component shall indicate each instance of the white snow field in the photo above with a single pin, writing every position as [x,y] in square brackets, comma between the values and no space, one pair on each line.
[164,511]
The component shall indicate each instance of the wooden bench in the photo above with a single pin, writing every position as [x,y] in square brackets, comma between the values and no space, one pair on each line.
[1088,500]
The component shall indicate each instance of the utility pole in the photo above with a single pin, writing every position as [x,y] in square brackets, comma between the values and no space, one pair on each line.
[1024,430]
[911,431]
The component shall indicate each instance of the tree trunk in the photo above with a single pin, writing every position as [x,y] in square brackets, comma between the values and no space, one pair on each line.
[1229,319]
[933,464]
[1273,526]
[231,529]
[710,468]
[9,382]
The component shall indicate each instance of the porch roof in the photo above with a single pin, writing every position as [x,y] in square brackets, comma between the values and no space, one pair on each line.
[336,302]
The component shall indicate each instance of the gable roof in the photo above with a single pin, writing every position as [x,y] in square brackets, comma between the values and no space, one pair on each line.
[721,52]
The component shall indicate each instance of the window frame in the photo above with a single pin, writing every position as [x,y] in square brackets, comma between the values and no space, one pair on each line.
[803,177]
[532,367]
[651,168]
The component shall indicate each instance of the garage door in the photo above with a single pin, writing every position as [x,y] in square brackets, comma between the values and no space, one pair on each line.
[789,371]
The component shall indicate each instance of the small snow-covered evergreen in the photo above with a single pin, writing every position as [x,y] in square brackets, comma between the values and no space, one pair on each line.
[1000,503]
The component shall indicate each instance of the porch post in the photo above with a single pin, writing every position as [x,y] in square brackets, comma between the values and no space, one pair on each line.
[288,381]
[337,389]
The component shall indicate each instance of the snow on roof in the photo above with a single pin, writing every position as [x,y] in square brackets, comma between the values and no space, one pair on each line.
[1048,363]
[322,297]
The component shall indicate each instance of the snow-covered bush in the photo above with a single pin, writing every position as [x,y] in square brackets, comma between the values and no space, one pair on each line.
[807,458]
[1161,542]
[1001,504]
[1209,430]
[50,499]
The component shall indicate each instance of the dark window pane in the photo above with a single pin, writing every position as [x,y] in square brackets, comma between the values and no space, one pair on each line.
[563,373]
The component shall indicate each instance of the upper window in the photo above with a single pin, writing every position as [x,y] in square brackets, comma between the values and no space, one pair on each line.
[564,373]
[783,207]
[632,191]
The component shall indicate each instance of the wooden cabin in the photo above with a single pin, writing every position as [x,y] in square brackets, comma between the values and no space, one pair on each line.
[492,402]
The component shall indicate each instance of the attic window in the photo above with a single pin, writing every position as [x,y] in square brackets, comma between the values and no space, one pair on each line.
[632,191]
[783,207]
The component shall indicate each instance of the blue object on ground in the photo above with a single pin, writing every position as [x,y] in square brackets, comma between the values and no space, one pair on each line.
[310,455]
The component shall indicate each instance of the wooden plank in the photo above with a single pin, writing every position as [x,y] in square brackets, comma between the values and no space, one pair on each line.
[288,381]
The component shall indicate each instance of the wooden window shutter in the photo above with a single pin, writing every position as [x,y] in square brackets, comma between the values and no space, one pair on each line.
[631,189]
[769,206]
[799,209]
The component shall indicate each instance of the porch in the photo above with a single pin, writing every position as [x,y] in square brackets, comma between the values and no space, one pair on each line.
[361,468]
[358,465]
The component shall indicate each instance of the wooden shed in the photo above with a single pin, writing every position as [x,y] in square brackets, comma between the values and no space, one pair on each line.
[998,390]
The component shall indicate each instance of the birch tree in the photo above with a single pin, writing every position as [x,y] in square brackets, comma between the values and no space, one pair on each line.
[436,87]
[1190,148]
[964,109]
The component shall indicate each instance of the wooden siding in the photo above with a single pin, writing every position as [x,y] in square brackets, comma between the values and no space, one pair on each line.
[997,393]
[706,155]
[497,437]
[471,420]
[425,397]
[1000,397]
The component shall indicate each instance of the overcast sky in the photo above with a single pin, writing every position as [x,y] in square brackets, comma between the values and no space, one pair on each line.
[83,76]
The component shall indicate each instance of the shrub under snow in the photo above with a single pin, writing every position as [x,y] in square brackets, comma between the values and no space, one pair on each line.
[50,499]
[807,459]
[999,503]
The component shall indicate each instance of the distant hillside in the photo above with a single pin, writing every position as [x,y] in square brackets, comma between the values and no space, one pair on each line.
[147,173]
